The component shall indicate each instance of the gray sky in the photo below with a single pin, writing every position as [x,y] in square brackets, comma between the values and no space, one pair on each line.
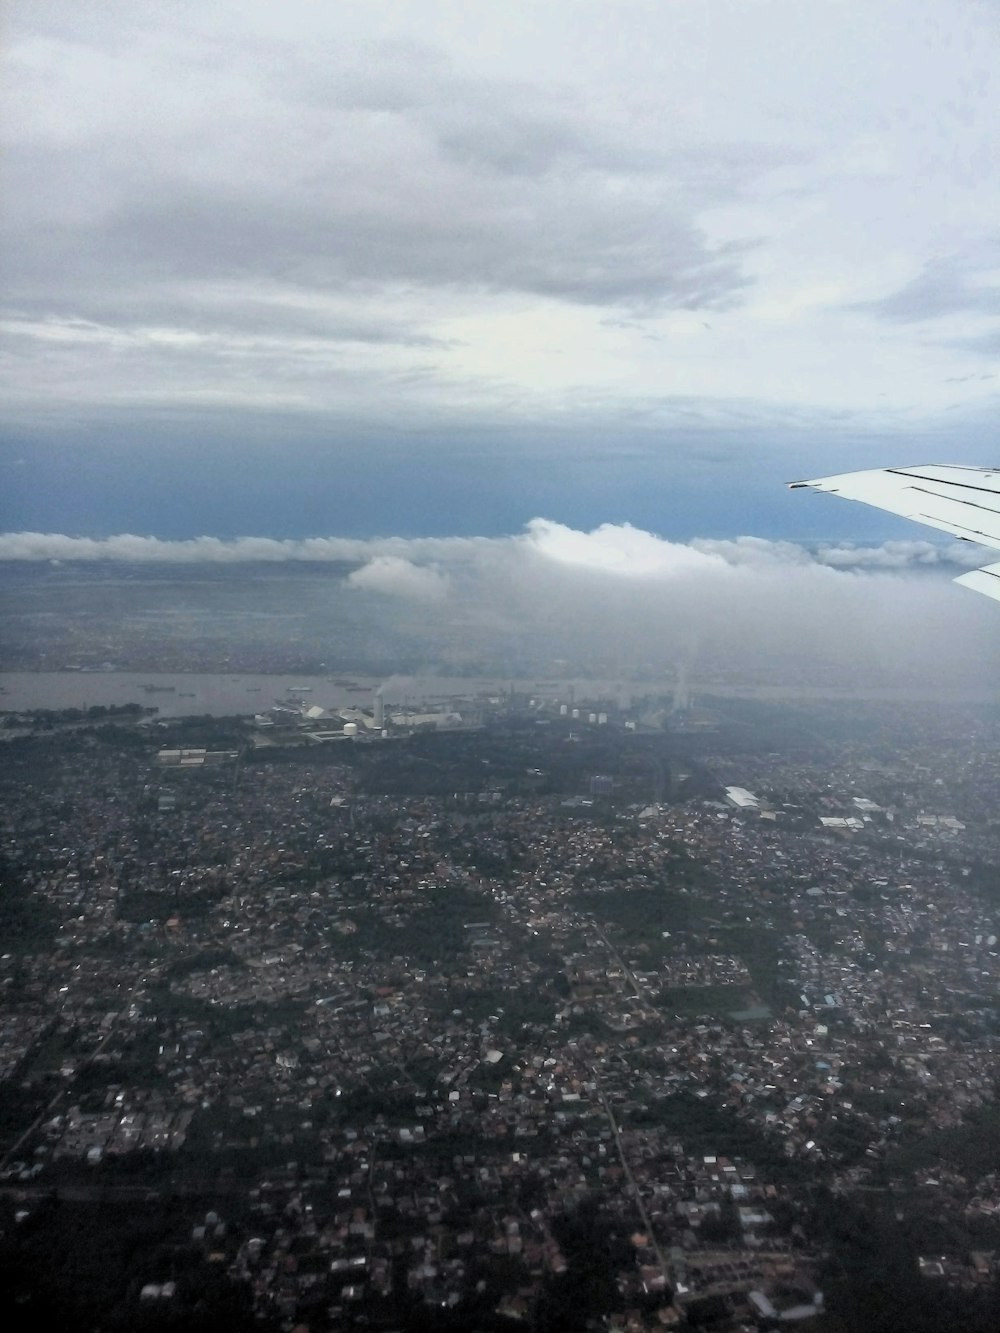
[680,219]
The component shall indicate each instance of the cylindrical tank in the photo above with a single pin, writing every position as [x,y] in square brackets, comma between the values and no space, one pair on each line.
[563,709]
[602,719]
[350,728]
[591,718]
[576,712]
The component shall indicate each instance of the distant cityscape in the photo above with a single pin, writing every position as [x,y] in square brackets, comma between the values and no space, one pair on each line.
[307,625]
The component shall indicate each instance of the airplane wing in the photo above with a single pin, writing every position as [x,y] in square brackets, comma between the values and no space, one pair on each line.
[964,501]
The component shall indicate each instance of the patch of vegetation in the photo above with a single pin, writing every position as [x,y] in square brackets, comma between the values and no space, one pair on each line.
[692,1001]
[703,1127]
[872,1280]
[27,922]
[107,1252]
[973,1148]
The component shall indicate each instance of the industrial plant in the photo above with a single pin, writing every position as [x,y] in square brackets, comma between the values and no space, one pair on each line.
[294,720]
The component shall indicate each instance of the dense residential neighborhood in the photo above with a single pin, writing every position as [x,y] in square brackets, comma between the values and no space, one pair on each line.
[437,1050]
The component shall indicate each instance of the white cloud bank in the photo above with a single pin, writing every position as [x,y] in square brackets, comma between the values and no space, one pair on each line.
[393,576]
[611,548]
[621,599]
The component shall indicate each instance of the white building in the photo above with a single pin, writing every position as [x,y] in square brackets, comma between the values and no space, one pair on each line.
[742,799]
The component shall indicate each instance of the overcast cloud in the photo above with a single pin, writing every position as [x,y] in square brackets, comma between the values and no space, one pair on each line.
[391,213]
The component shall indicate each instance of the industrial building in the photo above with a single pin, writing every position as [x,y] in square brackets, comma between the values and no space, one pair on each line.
[741,799]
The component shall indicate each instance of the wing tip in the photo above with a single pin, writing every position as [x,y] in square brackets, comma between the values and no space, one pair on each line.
[985,580]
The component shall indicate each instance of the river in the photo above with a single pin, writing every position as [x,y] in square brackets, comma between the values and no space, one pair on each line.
[180,694]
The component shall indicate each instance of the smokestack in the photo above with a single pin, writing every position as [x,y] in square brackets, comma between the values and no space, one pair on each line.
[379,710]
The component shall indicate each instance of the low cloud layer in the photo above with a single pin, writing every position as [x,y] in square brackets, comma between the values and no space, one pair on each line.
[611,548]
[620,600]
[393,576]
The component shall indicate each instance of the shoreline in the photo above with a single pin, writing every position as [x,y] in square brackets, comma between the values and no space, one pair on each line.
[223,694]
